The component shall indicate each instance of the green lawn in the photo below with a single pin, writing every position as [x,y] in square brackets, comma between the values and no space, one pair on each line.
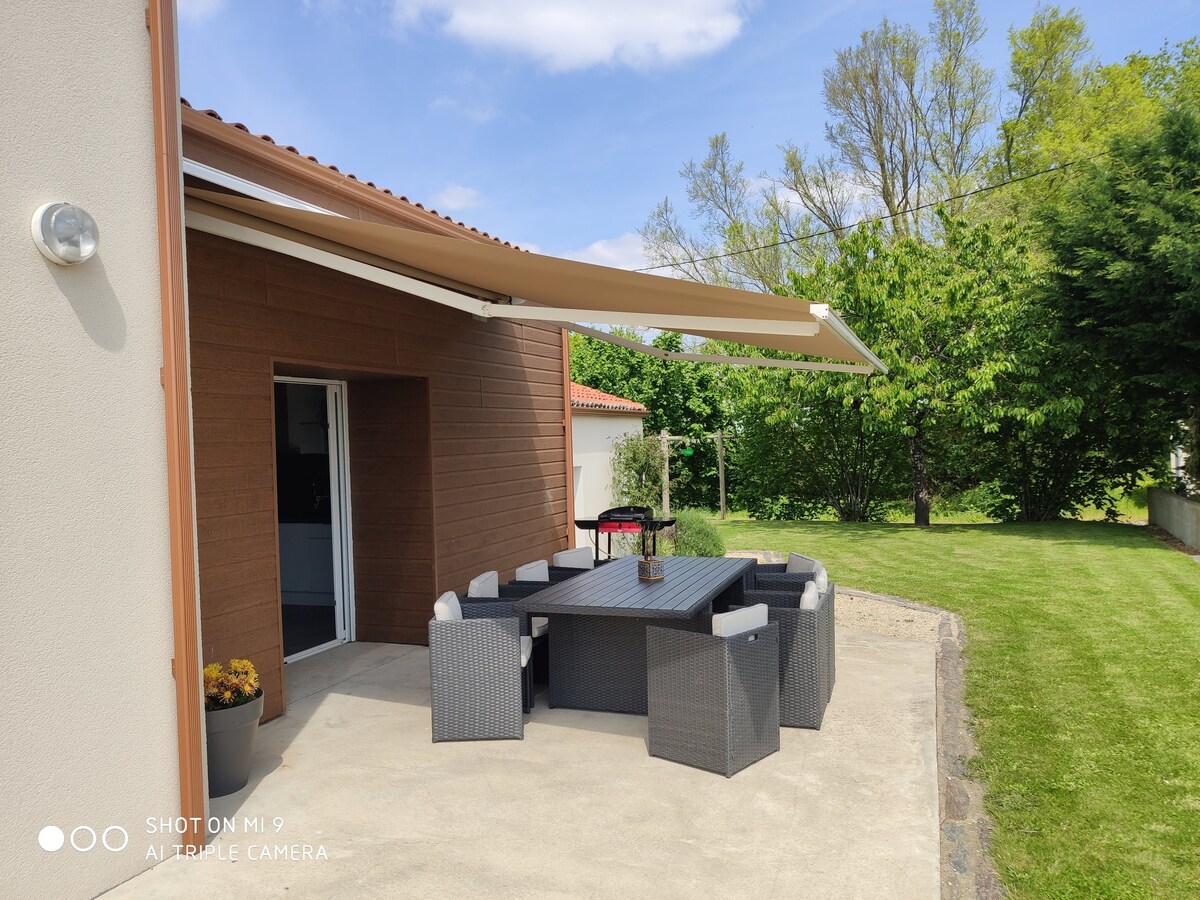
[1084,678]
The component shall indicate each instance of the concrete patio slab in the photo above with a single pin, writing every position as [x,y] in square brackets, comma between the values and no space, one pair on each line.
[577,809]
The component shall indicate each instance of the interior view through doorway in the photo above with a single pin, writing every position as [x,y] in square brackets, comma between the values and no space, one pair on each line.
[312,481]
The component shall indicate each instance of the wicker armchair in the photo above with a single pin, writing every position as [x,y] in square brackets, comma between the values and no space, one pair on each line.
[806,654]
[478,672]
[713,699]
[791,576]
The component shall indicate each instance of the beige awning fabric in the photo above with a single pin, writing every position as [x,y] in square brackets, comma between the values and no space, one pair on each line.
[495,281]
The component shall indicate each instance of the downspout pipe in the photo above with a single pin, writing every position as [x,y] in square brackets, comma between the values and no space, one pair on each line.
[161,24]
[569,442]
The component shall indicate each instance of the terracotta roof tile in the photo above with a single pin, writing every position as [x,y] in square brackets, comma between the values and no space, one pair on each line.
[267,139]
[583,397]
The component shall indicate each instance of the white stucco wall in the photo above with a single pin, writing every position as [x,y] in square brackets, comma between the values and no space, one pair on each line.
[592,436]
[87,715]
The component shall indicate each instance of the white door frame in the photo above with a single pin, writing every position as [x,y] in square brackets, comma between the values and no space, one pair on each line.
[339,494]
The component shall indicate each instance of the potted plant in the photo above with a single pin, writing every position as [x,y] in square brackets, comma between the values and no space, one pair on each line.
[233,704]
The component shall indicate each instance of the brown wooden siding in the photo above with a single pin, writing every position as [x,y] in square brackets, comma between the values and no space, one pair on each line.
[391,477]
[495,487]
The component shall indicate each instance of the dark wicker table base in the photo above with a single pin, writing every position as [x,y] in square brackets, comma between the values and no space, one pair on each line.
[599,662]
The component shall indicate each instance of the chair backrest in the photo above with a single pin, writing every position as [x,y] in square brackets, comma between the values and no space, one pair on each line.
[811,597]
[485,585]
[738,621]
[446,607]
[797,562]
[578,558]
[538,570]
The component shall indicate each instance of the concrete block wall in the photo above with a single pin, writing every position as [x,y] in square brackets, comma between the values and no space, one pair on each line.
[1175,514]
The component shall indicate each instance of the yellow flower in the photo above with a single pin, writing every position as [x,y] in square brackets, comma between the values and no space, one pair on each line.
[223,689]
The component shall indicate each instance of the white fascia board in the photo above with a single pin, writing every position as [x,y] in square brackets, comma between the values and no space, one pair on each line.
[851,368]
[652,320]
[249,188]
[825,313]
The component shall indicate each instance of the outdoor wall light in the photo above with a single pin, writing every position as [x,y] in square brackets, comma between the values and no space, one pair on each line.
[66,234]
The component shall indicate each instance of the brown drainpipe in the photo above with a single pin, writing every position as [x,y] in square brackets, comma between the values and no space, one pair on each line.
[566,356]
[160,21]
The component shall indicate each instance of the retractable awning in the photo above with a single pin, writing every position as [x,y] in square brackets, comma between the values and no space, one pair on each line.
[493,281]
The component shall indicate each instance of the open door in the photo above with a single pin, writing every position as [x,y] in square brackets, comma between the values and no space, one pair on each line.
[312,486]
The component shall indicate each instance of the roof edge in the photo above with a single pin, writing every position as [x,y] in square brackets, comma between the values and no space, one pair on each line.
[287,160]
[592,399]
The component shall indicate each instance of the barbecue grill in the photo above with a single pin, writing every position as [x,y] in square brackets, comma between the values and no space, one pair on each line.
[625,520]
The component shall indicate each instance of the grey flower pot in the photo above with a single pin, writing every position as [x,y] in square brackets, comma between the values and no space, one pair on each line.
[230,745]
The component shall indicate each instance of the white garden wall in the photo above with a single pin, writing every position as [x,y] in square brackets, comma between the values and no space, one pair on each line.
[592,436]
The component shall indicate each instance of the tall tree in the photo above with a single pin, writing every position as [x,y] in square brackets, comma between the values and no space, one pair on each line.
[906,116]
[960,100]
[1127,286]
[746,235]
[1063,109]
[875,94]
[940,315]
[1048,68]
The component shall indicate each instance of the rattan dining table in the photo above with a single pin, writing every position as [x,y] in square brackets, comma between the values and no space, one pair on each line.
[598,624]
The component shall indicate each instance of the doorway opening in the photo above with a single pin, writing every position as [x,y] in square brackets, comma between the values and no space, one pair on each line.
[313,491]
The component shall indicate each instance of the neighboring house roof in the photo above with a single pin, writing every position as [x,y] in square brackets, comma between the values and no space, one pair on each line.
[583,397]
[237,132]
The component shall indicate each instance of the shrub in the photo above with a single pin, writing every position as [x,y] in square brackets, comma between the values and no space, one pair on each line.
[692,535]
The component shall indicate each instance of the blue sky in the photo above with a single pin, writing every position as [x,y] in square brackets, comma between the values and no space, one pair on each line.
[560,124]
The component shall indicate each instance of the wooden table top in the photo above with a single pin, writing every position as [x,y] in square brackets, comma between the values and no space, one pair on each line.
[613,589]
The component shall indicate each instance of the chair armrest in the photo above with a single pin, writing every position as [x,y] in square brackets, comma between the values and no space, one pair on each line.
[493,608]
[487,608]
[781,599]
[783,581]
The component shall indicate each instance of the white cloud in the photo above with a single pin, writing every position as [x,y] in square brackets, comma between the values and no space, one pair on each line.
[200,10]
[456,196]
[567,35]
[624,252]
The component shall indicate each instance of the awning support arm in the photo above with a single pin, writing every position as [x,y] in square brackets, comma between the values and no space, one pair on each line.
[713,358]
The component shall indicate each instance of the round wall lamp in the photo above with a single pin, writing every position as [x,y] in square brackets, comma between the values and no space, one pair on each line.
[65,233]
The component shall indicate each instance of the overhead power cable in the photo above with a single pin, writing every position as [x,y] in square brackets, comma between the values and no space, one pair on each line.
[829,231]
